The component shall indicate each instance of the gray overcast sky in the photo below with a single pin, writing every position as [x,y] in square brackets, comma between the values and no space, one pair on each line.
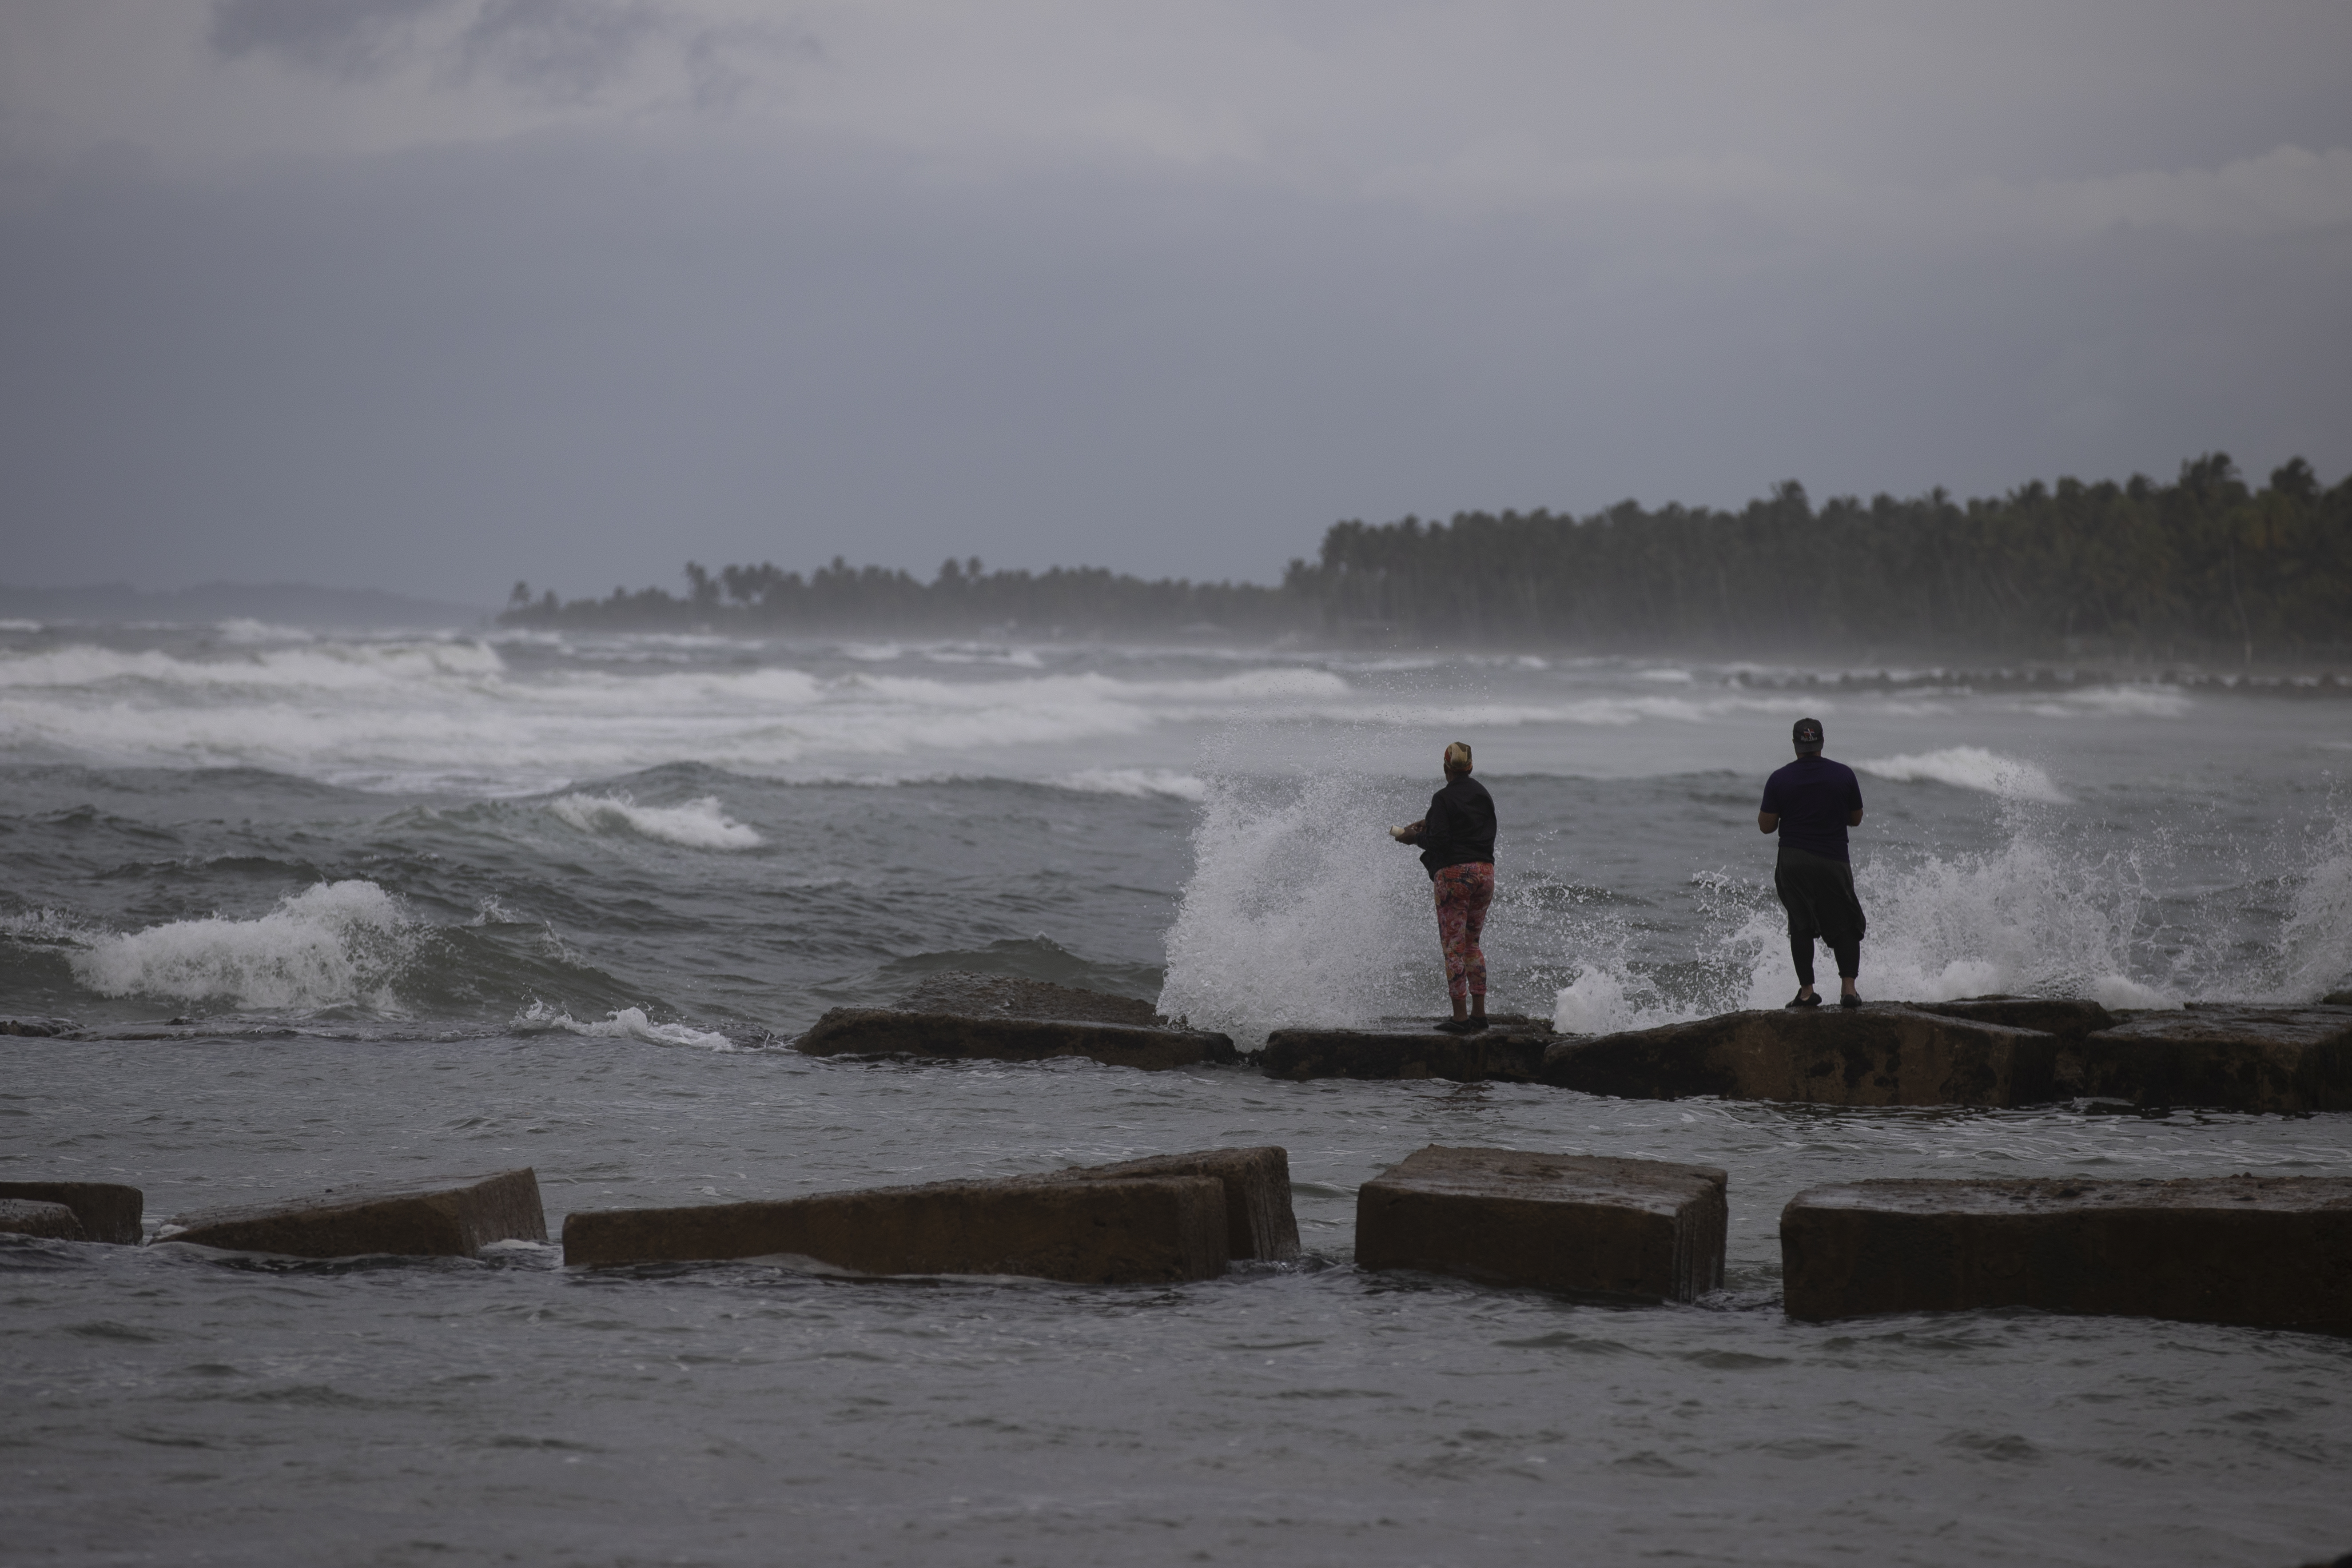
[430,295]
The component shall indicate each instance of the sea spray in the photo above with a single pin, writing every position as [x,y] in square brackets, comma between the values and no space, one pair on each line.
[1300,908]
[334,945]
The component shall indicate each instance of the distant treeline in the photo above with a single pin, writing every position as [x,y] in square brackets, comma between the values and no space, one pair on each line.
[2204,567]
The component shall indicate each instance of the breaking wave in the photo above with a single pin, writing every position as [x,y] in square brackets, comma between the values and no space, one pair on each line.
[697,825]
[331,945]
[1971,767]
[622,1023]
[1139,782]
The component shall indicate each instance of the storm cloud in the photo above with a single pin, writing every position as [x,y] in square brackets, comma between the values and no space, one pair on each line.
[433,294]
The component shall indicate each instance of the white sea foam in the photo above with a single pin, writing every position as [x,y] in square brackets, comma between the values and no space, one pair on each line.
[2315,946]
[625,1023]
[697,825]
[1138,781]
[332,944]
[1971,767]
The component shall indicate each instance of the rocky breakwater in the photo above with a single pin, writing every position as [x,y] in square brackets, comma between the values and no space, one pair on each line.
[1586,1226]
[1994,1051]
[2264,1251]
[1160,1220]
[1881,1053]
[104,1211]
[956,1015]
[2217,1055]
[420,1219]
[1511,1049]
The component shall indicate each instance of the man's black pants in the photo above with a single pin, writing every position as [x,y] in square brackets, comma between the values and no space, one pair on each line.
[1818,893]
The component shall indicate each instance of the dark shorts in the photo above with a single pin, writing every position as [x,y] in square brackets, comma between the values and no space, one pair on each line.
[1818,893]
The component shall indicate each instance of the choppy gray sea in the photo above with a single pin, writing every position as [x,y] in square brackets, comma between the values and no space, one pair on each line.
[447,904]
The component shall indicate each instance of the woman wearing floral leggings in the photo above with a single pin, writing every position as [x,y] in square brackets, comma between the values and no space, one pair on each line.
[1457,848]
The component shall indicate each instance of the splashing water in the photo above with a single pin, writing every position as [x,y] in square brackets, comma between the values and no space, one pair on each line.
[1300,908]
[622,1023]
[333,944]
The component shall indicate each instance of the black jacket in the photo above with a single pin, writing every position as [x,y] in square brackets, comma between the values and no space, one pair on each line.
[1459,830]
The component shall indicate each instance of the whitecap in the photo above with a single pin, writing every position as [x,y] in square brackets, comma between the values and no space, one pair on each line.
[697,825]
[1139,782]
[622,1023]
[332,944]
[1971,767]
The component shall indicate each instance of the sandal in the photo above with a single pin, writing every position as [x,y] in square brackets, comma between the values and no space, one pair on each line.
[1802,1000]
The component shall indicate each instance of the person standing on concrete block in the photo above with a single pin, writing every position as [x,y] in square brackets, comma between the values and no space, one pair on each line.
[1811,803]
[1457,848]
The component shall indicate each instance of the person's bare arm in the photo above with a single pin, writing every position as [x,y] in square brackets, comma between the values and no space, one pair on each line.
[1767,822]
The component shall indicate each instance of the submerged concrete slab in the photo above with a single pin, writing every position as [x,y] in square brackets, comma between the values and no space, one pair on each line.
[1260,1223]
[1880,1054]
[1508,1055]
[2264,1251]
[2218,1056]
[2068,1018]
[1131,1231]
[439,1219]
[109,1211]
[1640,1230]
[31,1216]
[882,1031]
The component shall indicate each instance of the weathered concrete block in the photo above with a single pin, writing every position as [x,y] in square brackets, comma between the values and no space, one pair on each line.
[881,1031]
[1260,1223]
[2068,1018]
[2266,1251]
[1880,1054]
[109,1211]
[1140,1230]
[2220,1056]
[973,995]
[1582,1224]
[444,1219]
[1510,1054]
[31,1216]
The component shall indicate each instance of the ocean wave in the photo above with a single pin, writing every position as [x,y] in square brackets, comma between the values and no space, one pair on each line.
[1971,767]
[622,1023]
[1138,783]
[697,825]
[2123,701]
[333,944]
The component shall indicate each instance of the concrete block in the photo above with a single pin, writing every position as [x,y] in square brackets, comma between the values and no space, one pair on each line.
[1508,1055]
[109,1211]
[1260,1223]
[881,1031]
[1880,1054]
[1633,1230]
[2265,1251]
[30,1216]
[2217,1055]
[959,991]
[2068,1018]
[443,1219]
[1141,1231]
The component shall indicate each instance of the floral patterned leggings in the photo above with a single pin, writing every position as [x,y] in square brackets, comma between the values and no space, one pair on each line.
[1463,894]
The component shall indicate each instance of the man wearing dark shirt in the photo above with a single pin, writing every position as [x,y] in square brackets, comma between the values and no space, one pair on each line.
[1457,848]
[1811,804]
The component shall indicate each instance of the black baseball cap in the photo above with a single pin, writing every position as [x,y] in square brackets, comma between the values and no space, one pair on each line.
[1807,733]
